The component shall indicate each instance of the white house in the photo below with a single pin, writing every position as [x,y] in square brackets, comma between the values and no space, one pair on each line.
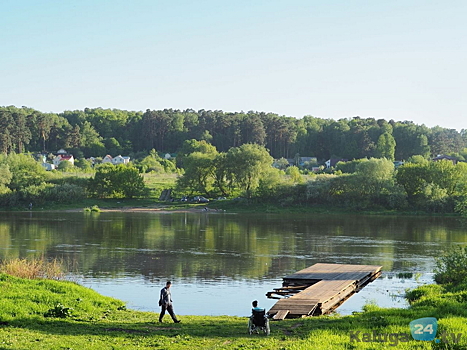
[120,160]
[61,157]
[107,159]
[116,160]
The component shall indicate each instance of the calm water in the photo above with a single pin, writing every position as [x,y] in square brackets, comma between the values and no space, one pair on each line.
[220,262]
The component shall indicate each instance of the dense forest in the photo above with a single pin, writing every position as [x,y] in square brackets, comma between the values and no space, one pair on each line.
[97,132]
[231,155]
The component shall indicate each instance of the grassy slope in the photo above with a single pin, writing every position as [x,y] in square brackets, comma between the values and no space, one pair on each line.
[98,322]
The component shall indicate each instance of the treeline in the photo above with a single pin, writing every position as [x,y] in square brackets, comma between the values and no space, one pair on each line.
[246,172]
[97,132]
[361,184]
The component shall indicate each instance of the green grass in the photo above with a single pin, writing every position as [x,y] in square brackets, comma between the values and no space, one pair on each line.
[158,182]
[92,321]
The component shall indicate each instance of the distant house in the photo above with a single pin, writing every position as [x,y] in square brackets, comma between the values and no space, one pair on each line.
[120,160]
[116,160]
[445,157]
[107,159]
[61,156]
[333,161]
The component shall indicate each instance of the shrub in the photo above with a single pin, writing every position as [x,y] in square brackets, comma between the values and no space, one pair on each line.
[94,208]
[451,267]
[59,311]
[66,193]
[33,193]
[33,269]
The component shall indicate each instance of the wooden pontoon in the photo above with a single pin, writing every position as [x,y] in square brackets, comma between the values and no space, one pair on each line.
[319,289]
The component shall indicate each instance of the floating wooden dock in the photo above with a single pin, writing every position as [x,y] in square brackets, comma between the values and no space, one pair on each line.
[319,289]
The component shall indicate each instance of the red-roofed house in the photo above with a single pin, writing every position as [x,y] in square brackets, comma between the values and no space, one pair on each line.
[61,157]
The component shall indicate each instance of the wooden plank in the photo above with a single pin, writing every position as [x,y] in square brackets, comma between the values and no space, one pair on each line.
[280,315]
[329,285]
[332,271]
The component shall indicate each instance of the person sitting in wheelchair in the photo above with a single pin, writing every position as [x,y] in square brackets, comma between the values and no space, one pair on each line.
[258,320]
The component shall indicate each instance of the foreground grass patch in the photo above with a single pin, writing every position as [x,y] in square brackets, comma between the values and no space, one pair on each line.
[33,316]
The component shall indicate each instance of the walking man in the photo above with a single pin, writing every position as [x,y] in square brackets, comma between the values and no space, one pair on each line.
[165,302]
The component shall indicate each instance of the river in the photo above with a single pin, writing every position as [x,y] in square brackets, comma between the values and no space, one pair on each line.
[219,262]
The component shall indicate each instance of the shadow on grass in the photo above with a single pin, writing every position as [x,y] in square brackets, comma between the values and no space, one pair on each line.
[190,326]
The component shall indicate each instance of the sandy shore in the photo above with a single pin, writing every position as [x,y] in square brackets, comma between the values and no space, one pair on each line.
[149,210]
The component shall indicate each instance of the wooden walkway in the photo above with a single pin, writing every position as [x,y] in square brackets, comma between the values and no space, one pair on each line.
[319,289]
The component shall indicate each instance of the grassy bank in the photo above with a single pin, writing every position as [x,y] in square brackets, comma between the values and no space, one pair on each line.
[47,314]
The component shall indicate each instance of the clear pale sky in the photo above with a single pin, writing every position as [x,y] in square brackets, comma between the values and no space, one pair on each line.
[401,60]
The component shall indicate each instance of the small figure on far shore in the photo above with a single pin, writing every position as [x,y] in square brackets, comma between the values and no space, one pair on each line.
[165,302]
[30,206]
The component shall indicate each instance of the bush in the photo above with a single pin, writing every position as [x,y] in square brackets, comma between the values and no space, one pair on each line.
[461,205]
[94,208]
[116,181]
[65,166]
[451,267]
[33,269]
[59,311]
[33,194]
[66,193]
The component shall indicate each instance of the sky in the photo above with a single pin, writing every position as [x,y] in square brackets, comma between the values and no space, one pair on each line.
[400,60]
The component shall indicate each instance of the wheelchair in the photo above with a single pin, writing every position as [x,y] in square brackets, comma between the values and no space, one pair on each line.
[258,322]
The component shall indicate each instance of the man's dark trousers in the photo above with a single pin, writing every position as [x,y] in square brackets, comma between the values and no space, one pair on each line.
[170,310]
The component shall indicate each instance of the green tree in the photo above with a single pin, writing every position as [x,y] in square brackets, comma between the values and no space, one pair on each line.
[386,146]
[119,181]
[191,146]
[350,167]
[83,164]
[422,147]
[253,130]
[199,173]
[374,175]
[294,174]
[417,159]
[91,141]
[21,132]
[151,163]
[65,166]
[223,178]
[282,163]
[445,175]
[5,177]
[112,146]
[412,177]
[248,163]
[44,124]
[25,170]
[431,184]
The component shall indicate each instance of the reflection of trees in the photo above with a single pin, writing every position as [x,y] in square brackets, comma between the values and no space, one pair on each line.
[212,246]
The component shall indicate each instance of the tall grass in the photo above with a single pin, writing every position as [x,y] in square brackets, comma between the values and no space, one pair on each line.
[33,268]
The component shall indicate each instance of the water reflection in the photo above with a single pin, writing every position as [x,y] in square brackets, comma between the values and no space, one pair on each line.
[214,255]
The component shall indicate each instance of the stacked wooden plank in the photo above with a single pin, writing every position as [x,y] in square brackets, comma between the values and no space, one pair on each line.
[320,289]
